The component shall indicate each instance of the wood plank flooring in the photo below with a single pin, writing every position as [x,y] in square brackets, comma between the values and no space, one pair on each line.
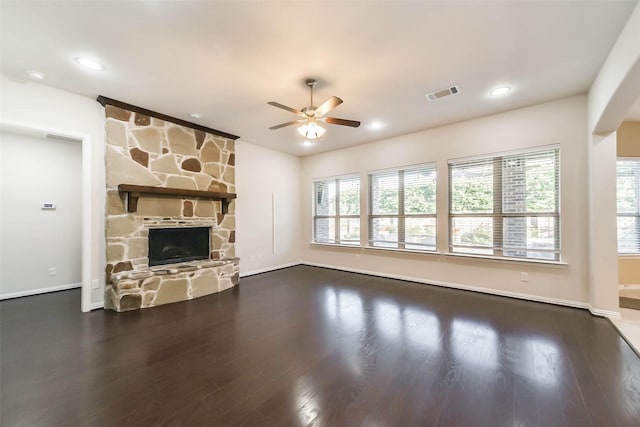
[306,346]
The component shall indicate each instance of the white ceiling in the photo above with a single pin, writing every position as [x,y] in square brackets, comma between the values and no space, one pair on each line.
[226,60]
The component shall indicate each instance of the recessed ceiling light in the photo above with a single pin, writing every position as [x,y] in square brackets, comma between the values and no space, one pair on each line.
[307,143]
[500,91]
[37,75]
[89,63]
[376,125]
[195,115]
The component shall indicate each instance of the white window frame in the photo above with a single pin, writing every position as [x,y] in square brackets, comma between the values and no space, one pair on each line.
[632,215]
[336,216]
[497,247]
[401,216]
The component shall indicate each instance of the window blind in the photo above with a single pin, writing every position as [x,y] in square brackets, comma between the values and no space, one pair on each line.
[506,206]
[402,208]
[337,210]
[628,205]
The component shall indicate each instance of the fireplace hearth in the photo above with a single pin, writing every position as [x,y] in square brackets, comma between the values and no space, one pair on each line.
[176,245]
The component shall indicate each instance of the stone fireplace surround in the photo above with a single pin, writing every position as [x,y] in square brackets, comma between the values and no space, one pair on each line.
[145,148]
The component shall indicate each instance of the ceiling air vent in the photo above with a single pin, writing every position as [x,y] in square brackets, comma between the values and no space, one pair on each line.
[435,95]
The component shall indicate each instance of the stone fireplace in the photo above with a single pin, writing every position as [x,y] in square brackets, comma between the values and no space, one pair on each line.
[179,244]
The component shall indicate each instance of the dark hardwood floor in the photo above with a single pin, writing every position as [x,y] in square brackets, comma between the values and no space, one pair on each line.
[310,346]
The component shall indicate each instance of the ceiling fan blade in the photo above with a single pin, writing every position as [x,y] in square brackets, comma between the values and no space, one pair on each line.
[343,122]
[284,107]
[328,105]
[281,125]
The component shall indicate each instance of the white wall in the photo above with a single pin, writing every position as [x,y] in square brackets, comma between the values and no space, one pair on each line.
[560,122]
[267,234]
[27,104]
[34,170]
[611,95]
[603,244]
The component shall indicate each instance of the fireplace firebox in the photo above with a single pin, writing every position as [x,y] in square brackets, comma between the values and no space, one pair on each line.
[181,244]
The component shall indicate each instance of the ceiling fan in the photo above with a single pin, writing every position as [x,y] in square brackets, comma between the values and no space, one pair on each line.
[311,115]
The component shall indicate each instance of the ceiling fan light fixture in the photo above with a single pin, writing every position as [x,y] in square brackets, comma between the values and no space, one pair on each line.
[311,130]
[309,116]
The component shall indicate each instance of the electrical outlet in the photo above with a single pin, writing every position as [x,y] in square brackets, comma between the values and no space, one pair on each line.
[524,277]
[95,284]
[52,271]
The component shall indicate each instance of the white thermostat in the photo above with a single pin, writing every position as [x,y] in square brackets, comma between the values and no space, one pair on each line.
[49,206]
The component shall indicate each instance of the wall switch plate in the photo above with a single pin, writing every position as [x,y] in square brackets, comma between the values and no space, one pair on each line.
[52,271]
[95,284]
[48,206]
[524,277]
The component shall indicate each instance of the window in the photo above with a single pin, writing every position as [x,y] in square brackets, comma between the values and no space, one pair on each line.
[506,206]
[337,211]
[628,201]
[402,208]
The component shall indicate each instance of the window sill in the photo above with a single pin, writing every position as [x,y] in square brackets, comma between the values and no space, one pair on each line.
[508,260]
[411,251]
[542,263]
[336,245]
[628,255]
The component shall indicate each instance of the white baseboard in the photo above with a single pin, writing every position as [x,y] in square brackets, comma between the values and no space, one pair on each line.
[40,291]
[604,313]
[518,295]
[266,269]
[96,305]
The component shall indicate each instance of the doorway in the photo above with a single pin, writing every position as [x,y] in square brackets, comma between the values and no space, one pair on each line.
[39,258]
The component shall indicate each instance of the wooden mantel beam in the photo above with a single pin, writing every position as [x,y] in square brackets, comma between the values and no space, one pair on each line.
[135,191]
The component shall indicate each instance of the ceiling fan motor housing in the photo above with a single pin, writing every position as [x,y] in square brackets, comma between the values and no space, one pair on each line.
[309,111]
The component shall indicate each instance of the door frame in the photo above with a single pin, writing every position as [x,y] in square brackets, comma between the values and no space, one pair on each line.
[85,140]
